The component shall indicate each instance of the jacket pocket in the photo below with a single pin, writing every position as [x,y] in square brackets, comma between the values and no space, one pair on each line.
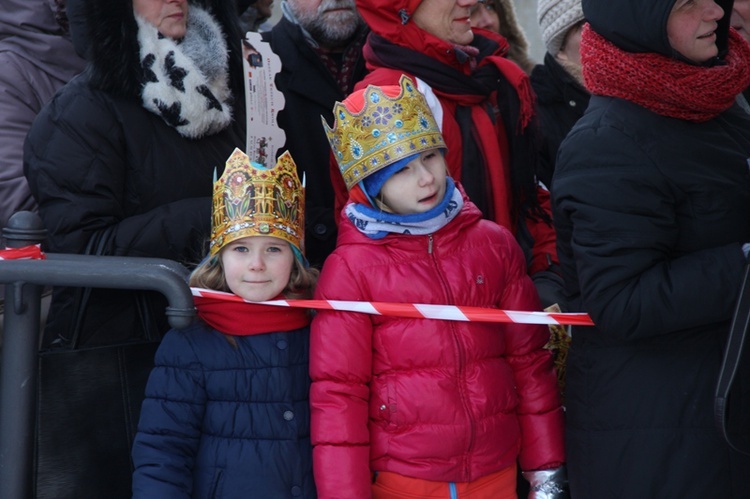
[383,401]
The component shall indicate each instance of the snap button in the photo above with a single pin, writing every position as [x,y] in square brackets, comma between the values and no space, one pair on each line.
[572,103]
[296,491]
[288,415]
[382,407]
[320,229]
[282,344]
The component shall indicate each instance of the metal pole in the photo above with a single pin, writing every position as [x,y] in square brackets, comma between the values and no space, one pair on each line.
[113,272]
[18,371]
[18,366]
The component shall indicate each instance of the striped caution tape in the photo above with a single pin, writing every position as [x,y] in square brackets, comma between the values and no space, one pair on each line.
[410,310]
[33,252]
[418,310]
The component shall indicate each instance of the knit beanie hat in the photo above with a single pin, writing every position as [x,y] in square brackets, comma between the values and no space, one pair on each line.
[374,182]
[556,17]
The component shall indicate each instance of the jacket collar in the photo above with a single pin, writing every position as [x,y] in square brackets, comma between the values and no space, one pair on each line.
[469,215]
[309,72]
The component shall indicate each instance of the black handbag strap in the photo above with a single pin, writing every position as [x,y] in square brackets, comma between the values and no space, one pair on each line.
[732,358]
[95,246]
[98,245]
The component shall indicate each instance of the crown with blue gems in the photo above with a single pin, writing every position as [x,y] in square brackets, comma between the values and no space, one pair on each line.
[252,200]
[384,131]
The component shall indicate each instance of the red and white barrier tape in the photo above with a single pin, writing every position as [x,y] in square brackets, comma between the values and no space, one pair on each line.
[33,252]
[417,310]
[411,310]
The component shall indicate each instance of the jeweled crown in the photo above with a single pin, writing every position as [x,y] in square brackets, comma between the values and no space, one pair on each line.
[384,131]
[251,200]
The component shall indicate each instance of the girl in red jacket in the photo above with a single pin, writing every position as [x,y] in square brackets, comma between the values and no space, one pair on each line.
[406,407]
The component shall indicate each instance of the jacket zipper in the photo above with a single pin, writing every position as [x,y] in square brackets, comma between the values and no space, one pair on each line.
[461,356]
[454,490]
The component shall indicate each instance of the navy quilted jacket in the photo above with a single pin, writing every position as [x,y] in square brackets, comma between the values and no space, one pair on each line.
[220,421]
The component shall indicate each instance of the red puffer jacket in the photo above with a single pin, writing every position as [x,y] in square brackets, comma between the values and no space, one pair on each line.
[437,400]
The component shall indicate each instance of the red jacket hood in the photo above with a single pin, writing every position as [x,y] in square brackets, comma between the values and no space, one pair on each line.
[391,19]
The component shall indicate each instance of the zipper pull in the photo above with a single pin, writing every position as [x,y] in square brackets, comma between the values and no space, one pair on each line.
[429,244]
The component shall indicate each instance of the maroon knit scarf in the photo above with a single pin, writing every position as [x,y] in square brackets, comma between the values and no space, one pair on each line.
[666,86]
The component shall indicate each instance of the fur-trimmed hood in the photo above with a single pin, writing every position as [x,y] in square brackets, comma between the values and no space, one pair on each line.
[513,32]
[106,33]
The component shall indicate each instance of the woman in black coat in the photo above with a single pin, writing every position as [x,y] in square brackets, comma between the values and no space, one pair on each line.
[652,208]
[122,160]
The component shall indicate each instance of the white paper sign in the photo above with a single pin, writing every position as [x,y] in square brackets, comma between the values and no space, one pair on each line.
[263,100]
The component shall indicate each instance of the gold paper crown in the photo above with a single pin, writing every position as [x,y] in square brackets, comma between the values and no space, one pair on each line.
[384,131]
[251,200]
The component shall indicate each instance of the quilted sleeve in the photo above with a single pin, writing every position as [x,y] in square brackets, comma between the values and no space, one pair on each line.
[341,369]
[539,410]
[76,161]
[18,107]
[622,239]
[169,429]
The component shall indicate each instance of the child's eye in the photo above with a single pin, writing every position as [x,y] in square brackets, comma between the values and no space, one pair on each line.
[402,170]
[240,249]
[273,249]
[429,155]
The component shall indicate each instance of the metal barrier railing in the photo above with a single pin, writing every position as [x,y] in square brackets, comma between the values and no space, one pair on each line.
[24,280]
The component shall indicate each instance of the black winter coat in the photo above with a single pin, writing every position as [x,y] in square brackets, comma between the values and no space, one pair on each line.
[561,101]
[96,160]
[651,213]
[310,92]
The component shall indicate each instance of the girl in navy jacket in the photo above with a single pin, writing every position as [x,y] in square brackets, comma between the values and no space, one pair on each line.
[226,411]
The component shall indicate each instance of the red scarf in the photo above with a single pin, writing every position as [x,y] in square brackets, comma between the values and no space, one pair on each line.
[664,85]
[240,318]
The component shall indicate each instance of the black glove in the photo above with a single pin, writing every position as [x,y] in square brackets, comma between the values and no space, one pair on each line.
[551,288]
